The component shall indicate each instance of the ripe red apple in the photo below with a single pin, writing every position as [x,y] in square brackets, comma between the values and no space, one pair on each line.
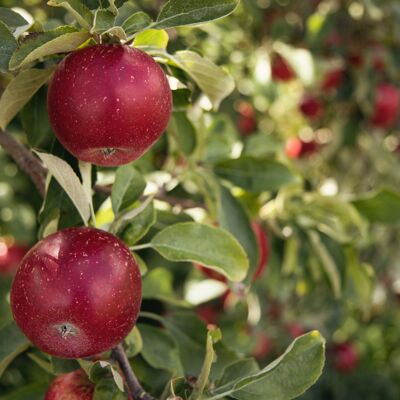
[72,386]
[297,148]
[263,346]
[280,69]
[10,257]
[333,79]
[209,313]
[109,103]
[346,357]
[77,293]
[263,248]
[295,329]
[247,122]
[386,107]
[310,106]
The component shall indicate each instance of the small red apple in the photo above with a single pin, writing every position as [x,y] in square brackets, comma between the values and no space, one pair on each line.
[386,107]
[209,313]
[72,386]
[333,79]
[295,329]
[263,346]
[247,121]
[77,293]
[10,257]
[356,60]
[310,106]
[297,148]
[346,357]
[109,103]
[280,69]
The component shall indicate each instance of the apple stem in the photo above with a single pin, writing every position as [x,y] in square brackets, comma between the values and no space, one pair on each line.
[135,388]
[26,161]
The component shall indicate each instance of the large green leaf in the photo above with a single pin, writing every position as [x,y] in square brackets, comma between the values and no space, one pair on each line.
[193,12]
[235,372]
[211,79]
[233,217]
[212,247]
[35,391]
[12,343]
[152,38]
[12,19]
[8,45]
[128,187]
[76,7]
[160,350]
[382,206]
[183,131]
[256,175]
[19,91]
[286,378]
[136,22]
[61,40]
[103,21]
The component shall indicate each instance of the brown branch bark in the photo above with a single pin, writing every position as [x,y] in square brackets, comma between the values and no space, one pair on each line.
[135,388]
[26,161]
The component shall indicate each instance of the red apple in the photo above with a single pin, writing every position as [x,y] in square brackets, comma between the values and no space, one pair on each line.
[356,60]
[209,313]
[295,329]
[346,357]
[263,346]
[72,386]
[333,79]
[77,293]
[109,103]
[10,257]
[297,148]
[247,122]
[280,69]
[310,107]
[386,108]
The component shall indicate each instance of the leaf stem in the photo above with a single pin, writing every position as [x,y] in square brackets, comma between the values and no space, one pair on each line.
[141,247]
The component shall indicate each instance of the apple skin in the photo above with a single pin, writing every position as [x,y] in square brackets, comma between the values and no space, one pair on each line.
[297,148]
[108,104]
[387,103]
[77,293]
[310,107]
[263,347]
[280,69]
[333,79]
[295,330]
[72,386]
[263,247]
[10,257]
[247,122]
[346,357]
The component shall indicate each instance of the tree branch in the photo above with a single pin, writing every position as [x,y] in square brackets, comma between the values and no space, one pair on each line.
[135,388]
[26,161]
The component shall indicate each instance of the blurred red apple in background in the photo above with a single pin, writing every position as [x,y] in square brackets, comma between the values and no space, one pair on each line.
[333,79]
[280,69]
[10,256]
[310,106]
[386,105]
[73,386]
[297,148]
[345,357]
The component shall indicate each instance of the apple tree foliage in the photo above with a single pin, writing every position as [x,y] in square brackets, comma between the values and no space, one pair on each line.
[223,163]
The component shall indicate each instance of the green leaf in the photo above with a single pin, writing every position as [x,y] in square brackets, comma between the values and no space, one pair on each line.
[133,343]
[233,217]
[136,22]
[138,226]
[96,371]
[106,389]
[103,21]
[382,206]
[158,284]
[8,45]
[183,131]
[152,38]
[35,120]
[209,246]
[12,19]
[128,187]
[255,175]
[19,91]
[235,372]
[286,378]
[34,391]
[76,7]
[215,83]
[60,40]
[159,350]
[327,262]
[193,12]
[113,8]
[69,181]
[63,366]
[12,343]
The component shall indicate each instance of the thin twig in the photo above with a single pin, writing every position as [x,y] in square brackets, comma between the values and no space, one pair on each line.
[26,161]
[135,388]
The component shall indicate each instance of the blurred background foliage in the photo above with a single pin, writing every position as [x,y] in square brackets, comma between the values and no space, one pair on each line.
[317,89]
